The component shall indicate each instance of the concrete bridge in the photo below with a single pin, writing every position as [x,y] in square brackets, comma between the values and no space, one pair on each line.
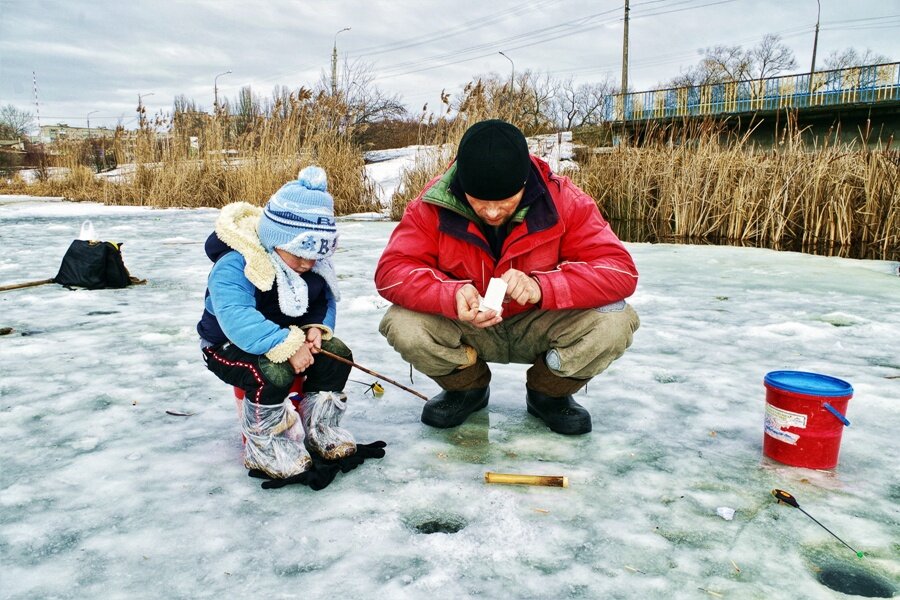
[862,100]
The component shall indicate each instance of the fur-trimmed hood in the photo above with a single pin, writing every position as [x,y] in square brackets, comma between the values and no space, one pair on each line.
[236,227]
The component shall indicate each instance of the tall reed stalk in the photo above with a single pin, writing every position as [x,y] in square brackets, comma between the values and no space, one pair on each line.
[792,195]
[194,159]
[684,183]
[479,100]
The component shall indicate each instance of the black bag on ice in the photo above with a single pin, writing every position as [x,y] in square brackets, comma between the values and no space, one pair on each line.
[93,265]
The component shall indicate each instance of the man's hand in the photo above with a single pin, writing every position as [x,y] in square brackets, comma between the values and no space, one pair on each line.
[467,308]
[521,288]
[302,359]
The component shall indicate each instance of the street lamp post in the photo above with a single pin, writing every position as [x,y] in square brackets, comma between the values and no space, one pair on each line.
[141,108]
[512,76]
[89,122]
[812,68]
[216,92]
[334,62]
[625,53]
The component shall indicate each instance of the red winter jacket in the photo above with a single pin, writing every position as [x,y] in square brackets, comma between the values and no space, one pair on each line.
[562,240]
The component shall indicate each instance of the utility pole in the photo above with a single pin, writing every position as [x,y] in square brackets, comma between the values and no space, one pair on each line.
[216,92]
[625,54]
[334,63]
[37,107]
[89,122]
[512,76]
[812,68]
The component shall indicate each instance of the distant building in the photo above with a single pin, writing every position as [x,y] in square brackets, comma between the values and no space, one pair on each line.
[61,132]
[12,146]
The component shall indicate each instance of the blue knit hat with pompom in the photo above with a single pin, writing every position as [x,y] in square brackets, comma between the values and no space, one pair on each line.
[299,217]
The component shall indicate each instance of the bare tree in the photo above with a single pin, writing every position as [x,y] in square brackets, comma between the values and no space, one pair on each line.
[366,103]
[14,123]
[532,105]
[858,69]
[187,117]
[577,106]
[182,105]
[851,57]
[247,110]
[592,101]
[566,104]
[282,102]
[722,64]
[536,93]
[770,57]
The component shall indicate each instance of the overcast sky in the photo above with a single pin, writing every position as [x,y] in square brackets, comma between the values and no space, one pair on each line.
[100,55]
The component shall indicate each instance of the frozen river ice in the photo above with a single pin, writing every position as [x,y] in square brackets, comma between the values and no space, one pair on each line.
[104,495]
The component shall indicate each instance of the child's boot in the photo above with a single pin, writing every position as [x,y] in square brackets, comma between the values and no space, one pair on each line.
[274,439]
[321,414]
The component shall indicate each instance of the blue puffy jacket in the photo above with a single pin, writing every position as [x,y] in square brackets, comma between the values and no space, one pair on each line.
[241,302]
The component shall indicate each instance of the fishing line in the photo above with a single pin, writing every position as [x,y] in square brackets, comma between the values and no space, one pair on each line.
[784,497]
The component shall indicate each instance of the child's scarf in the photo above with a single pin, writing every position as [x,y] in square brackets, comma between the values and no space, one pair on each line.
[293,294]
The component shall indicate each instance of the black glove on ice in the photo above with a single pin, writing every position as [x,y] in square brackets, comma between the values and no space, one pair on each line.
[324,471]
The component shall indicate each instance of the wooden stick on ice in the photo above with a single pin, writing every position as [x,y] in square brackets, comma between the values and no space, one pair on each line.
[16,286]
[512,478]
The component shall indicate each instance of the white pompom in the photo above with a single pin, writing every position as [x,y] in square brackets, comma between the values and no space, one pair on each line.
[313,178]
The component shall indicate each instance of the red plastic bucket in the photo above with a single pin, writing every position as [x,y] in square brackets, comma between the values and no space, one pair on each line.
[805,418]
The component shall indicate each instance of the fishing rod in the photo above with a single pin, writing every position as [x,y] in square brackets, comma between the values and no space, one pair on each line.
[786,498]
[370,372]
[16,286]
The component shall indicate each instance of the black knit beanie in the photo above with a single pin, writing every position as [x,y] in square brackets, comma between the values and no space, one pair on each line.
[492,161]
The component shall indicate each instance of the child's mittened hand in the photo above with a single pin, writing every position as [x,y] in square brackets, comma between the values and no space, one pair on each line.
[314,338]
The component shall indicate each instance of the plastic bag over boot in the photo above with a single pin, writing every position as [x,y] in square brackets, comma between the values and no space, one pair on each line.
[274,439]
[321,414]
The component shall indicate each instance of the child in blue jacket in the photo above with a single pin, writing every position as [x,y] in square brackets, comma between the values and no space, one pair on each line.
[270,308]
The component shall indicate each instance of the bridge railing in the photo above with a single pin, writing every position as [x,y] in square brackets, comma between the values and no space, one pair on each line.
[854,85]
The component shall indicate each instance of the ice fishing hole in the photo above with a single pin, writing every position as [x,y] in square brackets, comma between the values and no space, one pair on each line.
[855,581]
[428,524]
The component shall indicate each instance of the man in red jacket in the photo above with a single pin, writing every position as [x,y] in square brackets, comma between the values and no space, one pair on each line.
[499,212]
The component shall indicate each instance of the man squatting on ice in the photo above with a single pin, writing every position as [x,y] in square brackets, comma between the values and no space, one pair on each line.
[499,212]
[270,306]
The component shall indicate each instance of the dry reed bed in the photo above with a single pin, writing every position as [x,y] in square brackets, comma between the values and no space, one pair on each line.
[699,188]
[833,195]
[707,185]
[232,160]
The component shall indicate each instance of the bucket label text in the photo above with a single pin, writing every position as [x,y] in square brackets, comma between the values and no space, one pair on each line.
[777,419]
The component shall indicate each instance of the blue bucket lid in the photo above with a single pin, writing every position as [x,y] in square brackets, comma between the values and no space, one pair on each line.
[813,384]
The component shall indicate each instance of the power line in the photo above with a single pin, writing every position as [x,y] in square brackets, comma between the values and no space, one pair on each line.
[534,37]
[430,38]
[427,39]
[543,34]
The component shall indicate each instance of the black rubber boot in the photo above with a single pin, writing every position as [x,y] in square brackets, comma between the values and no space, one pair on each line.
[549,398]
[465,391]
[561,413]
[452,408]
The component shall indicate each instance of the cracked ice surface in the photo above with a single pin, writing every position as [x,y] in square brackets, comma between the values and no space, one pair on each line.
[102,494]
